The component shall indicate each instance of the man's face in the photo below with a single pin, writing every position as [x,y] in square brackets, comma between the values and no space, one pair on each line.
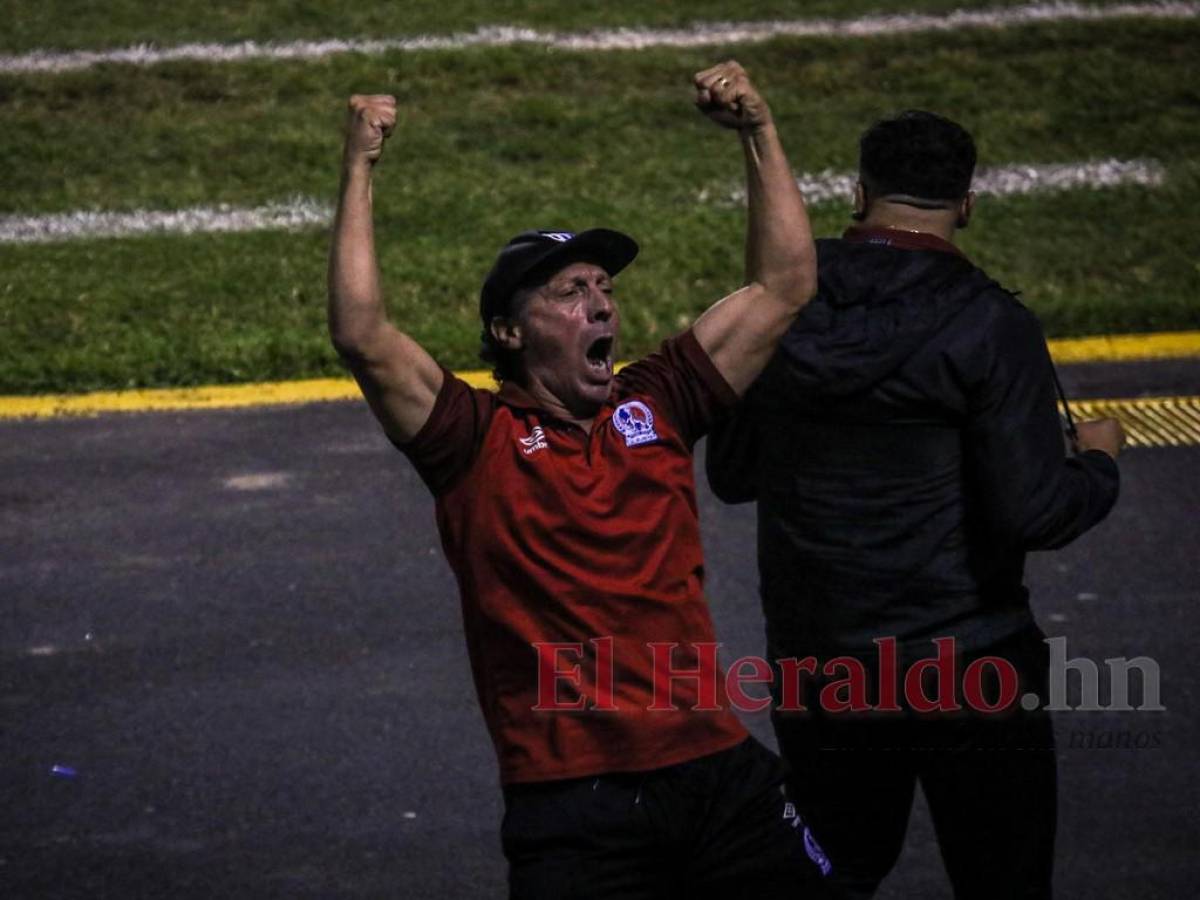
[568,336]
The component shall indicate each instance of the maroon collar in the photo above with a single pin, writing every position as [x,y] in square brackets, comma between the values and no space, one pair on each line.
[513,394]
[900,239]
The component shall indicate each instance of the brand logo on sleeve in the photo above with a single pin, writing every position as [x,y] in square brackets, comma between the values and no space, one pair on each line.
[815,853]
[811,847]
[536,441]
[635,422]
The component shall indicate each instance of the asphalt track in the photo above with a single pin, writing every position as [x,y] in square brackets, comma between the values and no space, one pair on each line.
[235,635]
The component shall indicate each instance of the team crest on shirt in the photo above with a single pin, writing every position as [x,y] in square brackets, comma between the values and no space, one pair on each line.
[635,422]
[536,441]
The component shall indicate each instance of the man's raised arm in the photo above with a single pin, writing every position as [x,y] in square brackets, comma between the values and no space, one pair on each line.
[740,332]
[398,378]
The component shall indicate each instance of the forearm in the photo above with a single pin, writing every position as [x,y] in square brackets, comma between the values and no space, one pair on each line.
[780,255]
[355,309]
[399,379]
[731,458]
[1089,485]
[1030,495]
[741,331]
[1059,497]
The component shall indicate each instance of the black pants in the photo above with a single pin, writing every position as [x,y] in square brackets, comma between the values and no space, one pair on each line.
[717,826]
[990,782]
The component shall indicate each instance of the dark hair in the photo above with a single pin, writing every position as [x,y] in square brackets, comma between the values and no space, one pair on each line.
[917,153]
[505,363]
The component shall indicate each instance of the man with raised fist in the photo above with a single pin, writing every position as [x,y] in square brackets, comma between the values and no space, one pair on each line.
[567,510]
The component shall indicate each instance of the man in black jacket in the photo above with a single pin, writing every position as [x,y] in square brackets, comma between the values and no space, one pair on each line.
[905,450]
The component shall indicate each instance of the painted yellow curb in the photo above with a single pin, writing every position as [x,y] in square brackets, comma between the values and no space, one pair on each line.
[1112,348]
[155,399]
[270,393]
[1126,347]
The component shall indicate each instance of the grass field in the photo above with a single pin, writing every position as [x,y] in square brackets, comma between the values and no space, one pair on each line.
[79,24]
[496,140]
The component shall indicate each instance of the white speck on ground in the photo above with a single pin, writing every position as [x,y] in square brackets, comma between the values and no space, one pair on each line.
[259,481]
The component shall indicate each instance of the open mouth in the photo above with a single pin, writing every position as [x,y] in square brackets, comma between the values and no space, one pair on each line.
[599,356]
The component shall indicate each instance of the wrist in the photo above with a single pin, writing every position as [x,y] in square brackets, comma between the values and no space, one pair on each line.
[760,129]
[356,164]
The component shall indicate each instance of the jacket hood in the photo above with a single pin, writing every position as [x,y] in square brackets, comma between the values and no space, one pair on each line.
[875,307]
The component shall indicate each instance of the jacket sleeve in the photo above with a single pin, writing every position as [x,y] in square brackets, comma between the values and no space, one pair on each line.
[1029,492]
[731,457]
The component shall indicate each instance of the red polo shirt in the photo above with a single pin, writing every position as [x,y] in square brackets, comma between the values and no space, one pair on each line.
[557,535]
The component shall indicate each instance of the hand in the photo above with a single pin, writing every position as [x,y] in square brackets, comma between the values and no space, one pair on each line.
[1101,434]
[724,94]
[369,123]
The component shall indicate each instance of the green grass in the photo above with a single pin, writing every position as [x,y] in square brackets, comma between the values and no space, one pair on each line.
[85,24]
[495,141]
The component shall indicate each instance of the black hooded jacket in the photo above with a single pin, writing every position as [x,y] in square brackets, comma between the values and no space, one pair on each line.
[905,449]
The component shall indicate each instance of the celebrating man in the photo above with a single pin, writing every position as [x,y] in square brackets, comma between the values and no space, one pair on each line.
[566,507]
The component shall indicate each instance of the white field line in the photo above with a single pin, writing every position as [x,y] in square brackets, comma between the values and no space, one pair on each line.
[303,212]
[1004,181]
[298,213]
[699,34]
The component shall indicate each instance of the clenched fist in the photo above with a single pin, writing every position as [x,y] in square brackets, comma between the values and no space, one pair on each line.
[369,123]
[724,94]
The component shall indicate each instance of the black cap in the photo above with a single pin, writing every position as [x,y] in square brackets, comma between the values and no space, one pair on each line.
[533,254]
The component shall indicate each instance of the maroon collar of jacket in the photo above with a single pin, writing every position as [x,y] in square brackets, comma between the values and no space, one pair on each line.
[900,239]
